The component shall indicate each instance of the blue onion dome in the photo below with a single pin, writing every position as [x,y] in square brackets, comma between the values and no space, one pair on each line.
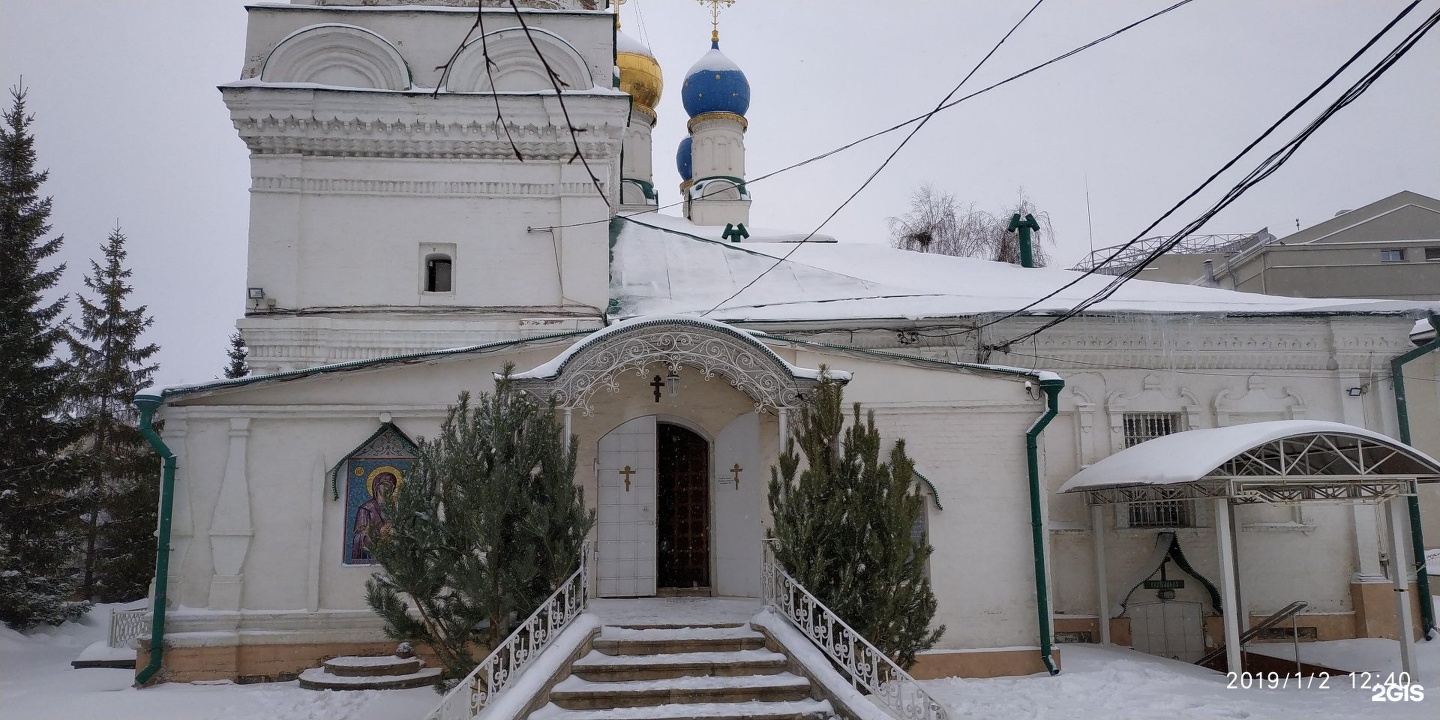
[682,159]
[715,84]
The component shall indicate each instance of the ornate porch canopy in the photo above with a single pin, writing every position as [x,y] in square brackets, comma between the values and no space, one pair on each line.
[1283,461]
[713,348]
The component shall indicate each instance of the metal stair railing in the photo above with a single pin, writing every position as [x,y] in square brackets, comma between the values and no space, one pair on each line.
[530,639]
[126,625]
[1288,612]
[869,669]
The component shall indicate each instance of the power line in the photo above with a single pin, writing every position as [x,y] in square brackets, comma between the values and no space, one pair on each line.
[883,164]
[1238,156]
[1262,171]
[911,121]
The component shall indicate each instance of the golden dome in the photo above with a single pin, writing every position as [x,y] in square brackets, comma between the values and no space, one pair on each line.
[639,72]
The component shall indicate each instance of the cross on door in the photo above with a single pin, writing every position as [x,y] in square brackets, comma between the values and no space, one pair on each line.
[657,383]
[737,470]
[627,472]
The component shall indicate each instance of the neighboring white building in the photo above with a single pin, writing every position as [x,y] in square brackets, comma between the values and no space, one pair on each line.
[400,255]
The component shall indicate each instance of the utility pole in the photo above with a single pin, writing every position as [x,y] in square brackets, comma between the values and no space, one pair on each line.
[1027,255]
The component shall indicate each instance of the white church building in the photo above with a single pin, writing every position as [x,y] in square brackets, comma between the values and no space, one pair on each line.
[400,253]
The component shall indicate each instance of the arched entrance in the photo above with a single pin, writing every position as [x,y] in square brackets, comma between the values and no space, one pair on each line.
[654,515]
[682,523]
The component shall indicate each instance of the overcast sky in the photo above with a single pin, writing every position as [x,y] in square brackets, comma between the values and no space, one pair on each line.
[132,129]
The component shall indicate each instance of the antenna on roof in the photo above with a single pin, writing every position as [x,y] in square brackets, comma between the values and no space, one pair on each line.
[1089,223]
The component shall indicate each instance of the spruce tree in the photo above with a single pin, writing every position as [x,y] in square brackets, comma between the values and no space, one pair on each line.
[110,366]
[237,353]
[486,527]
[843,526]
[38,497]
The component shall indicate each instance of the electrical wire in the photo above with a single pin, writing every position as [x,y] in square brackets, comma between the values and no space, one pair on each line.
[884,164]
[1262,171]
[1231,163]
[902,125]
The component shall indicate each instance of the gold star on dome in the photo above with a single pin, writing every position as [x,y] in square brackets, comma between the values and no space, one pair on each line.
[715,7]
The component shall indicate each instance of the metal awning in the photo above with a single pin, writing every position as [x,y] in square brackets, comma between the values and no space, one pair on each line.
[1285,461]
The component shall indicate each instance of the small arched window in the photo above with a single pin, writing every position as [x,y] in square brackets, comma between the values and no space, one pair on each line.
[439,273]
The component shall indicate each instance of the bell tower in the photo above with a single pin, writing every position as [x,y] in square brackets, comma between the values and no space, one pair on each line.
[396,207]
[711,160]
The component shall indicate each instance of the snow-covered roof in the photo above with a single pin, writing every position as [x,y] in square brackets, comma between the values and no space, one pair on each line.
[662,267]
[1191,455]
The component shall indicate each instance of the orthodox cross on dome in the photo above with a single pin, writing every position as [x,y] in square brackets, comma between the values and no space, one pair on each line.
[618,3]
[715,7]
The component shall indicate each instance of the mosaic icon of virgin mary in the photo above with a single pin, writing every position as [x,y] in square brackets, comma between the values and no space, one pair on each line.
[370,521]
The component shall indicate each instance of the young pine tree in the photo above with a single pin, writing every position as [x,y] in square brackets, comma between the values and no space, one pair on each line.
[38,494]
[237,353]
[486,527]
[110,365]
[843,526]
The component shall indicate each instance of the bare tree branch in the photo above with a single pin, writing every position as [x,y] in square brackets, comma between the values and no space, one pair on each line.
[938,224]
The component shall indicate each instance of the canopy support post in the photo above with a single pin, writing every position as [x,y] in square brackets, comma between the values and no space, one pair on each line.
[1229,589]
[1400,576]
[1102,588]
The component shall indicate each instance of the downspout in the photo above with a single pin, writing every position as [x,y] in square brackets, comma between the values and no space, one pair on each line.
[1402,413]
[147,405]
[1051,387]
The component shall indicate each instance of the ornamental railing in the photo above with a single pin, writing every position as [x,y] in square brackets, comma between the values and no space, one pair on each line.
[870,670]
[530,639]
[126,625]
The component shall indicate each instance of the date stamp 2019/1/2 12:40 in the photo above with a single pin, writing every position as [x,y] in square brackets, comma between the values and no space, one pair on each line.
[1384,687]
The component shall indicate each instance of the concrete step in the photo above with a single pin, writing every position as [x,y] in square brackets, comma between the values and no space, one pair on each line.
[787,710]
[599,667]
[573,693]
[667,640]
[319,679]
[355,666]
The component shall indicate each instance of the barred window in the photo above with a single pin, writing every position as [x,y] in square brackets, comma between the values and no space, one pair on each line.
[1140,427]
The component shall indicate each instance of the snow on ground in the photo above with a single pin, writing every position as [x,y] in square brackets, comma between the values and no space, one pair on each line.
[1121,684]
[37,683]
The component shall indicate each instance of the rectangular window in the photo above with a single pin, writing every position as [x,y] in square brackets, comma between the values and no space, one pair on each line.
[1140,427]
[1392,255]
[1432,253]
[437,274]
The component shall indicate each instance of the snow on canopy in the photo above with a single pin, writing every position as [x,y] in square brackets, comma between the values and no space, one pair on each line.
[1191,455]
[664,265]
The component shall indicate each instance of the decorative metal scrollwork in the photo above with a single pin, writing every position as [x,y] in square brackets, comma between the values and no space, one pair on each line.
[510,657]
[714,350]
[869,669]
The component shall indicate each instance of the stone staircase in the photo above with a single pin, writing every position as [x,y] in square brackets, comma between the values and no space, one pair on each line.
[660,672]
[369,673]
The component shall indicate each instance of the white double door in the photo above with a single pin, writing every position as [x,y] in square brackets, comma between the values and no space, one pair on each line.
[627,482]
[1171,629]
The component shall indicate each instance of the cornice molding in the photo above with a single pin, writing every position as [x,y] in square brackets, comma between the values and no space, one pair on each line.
[349,186]
[421,139]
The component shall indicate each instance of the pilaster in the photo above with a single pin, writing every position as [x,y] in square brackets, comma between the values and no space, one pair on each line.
[230,529]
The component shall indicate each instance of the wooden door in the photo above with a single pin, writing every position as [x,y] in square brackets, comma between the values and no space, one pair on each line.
[682,527]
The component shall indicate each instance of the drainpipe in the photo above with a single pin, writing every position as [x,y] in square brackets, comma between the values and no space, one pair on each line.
[1402,413]
[147,405]
[1051,387]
